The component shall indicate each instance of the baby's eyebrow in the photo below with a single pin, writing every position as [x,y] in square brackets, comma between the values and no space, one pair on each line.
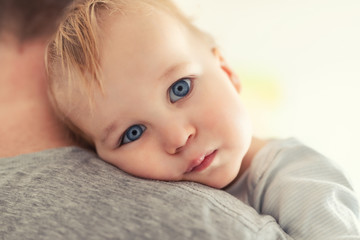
[179,67]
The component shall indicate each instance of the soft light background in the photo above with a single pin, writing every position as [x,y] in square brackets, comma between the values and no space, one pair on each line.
[300,65]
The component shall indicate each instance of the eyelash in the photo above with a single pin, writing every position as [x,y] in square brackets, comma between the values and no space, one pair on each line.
[186,82]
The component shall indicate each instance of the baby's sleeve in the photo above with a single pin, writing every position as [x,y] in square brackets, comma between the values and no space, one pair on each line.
[309,196]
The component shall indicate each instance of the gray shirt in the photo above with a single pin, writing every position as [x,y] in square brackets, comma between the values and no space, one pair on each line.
[69,193]
[309,195]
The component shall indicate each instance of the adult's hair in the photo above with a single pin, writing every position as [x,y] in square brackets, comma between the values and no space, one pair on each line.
[30,19]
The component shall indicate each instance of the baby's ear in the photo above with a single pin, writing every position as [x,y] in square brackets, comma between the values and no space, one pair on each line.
[229,72]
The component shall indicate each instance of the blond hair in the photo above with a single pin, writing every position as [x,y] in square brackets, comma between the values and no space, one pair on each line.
[73,56]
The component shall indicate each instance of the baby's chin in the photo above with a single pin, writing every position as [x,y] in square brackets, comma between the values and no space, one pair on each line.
[222,183]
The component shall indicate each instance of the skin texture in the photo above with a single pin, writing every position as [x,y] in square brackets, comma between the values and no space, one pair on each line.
[142,57]
[28,123]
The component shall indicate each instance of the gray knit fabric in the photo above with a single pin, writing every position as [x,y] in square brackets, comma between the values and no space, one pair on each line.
[69,193]
[309,195]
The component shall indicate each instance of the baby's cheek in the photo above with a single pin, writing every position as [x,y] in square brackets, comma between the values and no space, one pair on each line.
[231,122]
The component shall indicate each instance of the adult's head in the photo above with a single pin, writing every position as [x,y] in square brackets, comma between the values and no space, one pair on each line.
[25,28]
[26,20]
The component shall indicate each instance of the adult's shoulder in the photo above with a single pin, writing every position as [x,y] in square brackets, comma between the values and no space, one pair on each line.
[69,193]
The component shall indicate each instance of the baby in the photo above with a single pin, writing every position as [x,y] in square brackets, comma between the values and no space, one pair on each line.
[153,95]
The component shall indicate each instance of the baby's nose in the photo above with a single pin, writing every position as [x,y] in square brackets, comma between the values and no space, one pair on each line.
[182,144]
[177,137]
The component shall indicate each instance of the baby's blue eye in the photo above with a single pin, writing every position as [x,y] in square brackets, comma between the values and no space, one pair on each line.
[133,133]
[179,89]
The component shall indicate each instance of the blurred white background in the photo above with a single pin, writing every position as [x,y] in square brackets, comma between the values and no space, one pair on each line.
[299,61]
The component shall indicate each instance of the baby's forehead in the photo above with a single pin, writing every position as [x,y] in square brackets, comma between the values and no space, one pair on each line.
[164,13]
[125,24]
[131,8]
[133,43]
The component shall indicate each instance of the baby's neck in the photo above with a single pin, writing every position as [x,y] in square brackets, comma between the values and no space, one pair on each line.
[255,146]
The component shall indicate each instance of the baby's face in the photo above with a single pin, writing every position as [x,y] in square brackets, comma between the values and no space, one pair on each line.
[171,109]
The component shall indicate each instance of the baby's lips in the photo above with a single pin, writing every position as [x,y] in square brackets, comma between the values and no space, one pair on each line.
[197,161]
